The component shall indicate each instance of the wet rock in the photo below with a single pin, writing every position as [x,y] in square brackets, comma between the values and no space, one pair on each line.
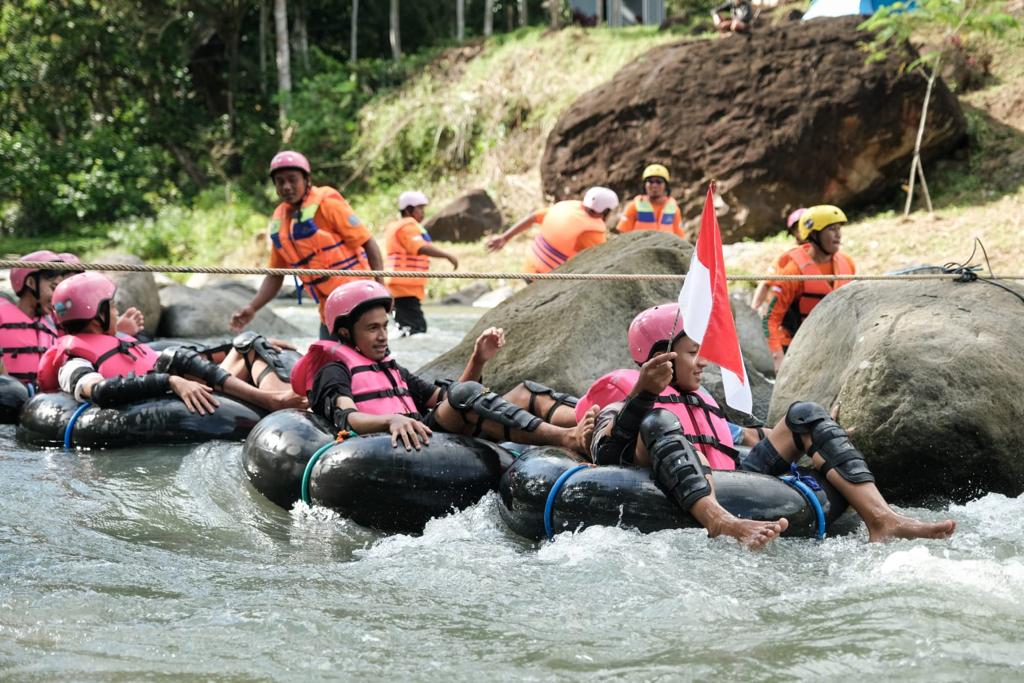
[204,313]
[136,289]
[467,219]
[568,333]
[467,295]
[791,116]
[750,331]
[927,376]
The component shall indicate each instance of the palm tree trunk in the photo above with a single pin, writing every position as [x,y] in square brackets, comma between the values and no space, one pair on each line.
[488,18]
[460,20]
[523,19]
[353,51]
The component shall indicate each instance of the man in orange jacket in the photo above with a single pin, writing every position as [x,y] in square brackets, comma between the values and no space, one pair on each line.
[315,228]
[655,209]
[566,229]
[409,247]
[791,301]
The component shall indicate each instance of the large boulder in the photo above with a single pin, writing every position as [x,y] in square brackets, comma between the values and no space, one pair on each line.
[928,378]
[750,330]
[466,219]
[136,289]
[793,116]
[204,313]
[568,333]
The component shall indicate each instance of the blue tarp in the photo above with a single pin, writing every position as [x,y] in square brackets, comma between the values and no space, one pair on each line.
[842,8]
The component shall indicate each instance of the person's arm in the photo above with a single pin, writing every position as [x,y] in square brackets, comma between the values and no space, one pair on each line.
[780,297]
[677,225]
[498,242]
[428,249]
[590,239]
[627,222]
[373,255]
[618,426]
[487,345]
[269,288]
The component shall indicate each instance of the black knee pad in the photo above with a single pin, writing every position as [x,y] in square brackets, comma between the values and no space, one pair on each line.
[677,466]
[181,360]
[473,397]
[560,399]
[829,440]
[251,342]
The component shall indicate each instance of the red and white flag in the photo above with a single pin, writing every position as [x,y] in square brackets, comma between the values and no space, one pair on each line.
[704,303]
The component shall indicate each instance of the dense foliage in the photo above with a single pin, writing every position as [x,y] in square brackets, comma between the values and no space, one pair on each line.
[114,108]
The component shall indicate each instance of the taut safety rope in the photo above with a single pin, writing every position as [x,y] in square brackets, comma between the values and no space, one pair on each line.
[613,277]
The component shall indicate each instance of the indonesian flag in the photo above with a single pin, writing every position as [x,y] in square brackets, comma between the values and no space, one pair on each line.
[704,303]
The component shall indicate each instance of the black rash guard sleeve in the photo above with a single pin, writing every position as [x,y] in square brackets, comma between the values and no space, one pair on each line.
[333,380]
[617,446]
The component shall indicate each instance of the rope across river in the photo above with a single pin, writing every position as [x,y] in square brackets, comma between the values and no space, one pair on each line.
[949,274]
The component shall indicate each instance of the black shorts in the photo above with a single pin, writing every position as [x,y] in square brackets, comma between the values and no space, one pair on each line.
[409,315]
[762,458]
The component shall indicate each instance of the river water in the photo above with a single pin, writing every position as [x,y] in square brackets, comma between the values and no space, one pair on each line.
[163,563]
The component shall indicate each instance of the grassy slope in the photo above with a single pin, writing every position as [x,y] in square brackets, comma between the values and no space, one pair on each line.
[479,117]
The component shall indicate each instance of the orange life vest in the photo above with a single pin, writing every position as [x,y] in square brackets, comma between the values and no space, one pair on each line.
[303,244]
[23,340]
[646,217]
[563,224]
[400,259]
[813,290]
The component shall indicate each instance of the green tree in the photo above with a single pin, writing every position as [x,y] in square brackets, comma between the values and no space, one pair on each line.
[954,21]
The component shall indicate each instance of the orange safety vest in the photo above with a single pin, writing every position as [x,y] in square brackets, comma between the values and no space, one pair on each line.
[646,219]
[813,290]
[303,244]
[400,259]
[563,224]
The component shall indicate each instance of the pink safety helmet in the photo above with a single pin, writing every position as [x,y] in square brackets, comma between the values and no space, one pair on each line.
[352,298]
[79,297]
[20,275]
[289,159]
[794,216]
[653,326]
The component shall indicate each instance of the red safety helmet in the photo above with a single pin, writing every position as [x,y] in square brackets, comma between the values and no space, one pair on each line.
[289,159]
[352,298]
[79,297]
[20,275]
[658,325]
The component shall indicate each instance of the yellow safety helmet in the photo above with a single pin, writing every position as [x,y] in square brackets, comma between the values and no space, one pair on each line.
[818,218]
[656,171]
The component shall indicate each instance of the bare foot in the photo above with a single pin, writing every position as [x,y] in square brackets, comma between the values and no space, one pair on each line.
[582,434]
[900,526]
[755,535]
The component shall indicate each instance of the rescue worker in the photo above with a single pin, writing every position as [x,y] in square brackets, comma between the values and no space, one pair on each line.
[791,301]
[92,362]
[655,209]
[27,329]
[355,384]
[761,293]
[409,247]
[668,423]
[313,227]
[741,16]
[566,229]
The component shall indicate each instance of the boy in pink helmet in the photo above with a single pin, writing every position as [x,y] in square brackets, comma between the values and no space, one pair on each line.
[92,362]
[660,417]
[354,383]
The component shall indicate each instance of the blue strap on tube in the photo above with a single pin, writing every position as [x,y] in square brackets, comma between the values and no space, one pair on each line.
[69,430]
[553,494]
[819,513]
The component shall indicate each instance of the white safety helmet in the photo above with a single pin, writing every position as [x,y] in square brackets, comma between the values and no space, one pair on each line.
[412,198]
[600,199]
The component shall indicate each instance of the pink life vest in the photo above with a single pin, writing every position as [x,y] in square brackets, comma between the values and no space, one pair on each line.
[702,420]
[377,387]
[111,356]
[23,340]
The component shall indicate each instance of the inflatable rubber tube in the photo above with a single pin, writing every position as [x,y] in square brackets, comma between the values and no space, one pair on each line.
[164,420]
[628,497]
[367,480]
[13,395]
